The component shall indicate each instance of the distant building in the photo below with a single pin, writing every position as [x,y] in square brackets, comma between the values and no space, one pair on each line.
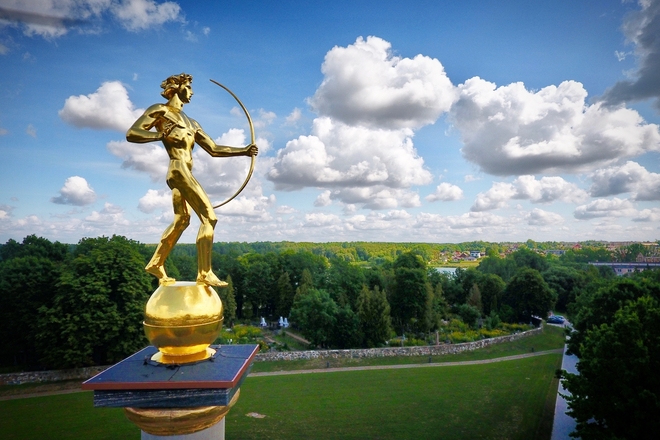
[642,259]
[557,252]
[475,254]
[626,268]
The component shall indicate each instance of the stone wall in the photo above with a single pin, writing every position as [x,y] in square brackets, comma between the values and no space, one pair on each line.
[427,350]
[50,376]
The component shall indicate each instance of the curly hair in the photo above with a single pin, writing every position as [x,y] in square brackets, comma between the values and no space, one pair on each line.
[172,84]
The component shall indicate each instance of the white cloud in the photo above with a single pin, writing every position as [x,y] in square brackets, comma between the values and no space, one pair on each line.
[445,192]
[206,30]
[509,130]
[294,117]
[641,28]
[539,217]
[605,208]
[137,15]
[5,211]
[109,215]
[365,84]
[630,177]
[285,210]
[544,190]
[53,18]
[621,55]
[189,36]
[319,219]
[377,197]
[648,215]
[474,221]
[337,155]
[471,178]
[323,199]
[31,131]
[107,108]
[155,200]
[76,191]
[255,208]
[150,158]
[264,118]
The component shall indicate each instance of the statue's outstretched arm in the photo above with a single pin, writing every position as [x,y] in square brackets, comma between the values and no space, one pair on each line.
[215,150]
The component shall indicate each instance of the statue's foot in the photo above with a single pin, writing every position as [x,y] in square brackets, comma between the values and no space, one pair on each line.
[159,272]
[210,279]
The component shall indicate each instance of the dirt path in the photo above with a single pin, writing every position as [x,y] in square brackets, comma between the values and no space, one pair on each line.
[74,387]
[295,336]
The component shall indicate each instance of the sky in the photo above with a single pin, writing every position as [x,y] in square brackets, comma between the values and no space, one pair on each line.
[420,121]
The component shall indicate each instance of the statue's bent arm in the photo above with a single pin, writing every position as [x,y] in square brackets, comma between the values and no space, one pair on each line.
[140,132]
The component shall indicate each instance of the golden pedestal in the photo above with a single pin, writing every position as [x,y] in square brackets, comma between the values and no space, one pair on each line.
[182,320]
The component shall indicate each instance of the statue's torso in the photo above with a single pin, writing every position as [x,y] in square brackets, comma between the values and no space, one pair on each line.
[180,141]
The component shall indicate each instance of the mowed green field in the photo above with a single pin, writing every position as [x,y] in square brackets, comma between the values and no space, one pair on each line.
[503,400]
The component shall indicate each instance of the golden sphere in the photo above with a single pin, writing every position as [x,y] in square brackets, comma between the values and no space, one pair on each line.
[182,320]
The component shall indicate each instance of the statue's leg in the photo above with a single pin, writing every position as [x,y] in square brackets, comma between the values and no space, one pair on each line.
[169,238]
[200,203]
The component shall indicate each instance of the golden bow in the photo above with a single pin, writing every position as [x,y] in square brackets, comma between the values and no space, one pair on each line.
[252,142]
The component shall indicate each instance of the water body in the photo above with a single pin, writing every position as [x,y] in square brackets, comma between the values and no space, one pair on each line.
[447,270]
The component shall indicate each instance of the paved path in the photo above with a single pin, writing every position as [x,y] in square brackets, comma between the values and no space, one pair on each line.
[564,424]
[332,370]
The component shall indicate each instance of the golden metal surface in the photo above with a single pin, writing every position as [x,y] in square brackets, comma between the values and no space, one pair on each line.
[181,320]
[179,134]
[178,421]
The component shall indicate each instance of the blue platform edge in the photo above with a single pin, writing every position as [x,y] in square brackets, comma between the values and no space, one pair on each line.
[138,382]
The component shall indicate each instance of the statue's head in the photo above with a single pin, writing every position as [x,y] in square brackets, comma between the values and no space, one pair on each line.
[172,84]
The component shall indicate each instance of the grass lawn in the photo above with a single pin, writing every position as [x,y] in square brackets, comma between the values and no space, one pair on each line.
[506,400]
[511,399]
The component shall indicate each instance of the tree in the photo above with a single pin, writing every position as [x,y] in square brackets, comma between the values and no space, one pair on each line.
[96,313]
[474,298]
[411,299]
[466,279]
[530,259]
[260,283]
[228,302]
[305,286]
[440,306]
[315,314]
[617,391]
[346,329]
[492,288]
[565,282]
[286,294]
[528,294]
[599,301]
[33,246]
[373,312]
[469,314]
[345,282]
[505,268]
[26,284]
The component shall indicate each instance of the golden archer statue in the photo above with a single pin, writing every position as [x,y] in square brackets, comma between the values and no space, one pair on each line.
[179,134]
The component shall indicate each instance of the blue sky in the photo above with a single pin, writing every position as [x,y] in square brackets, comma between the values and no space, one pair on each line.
[425,121]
